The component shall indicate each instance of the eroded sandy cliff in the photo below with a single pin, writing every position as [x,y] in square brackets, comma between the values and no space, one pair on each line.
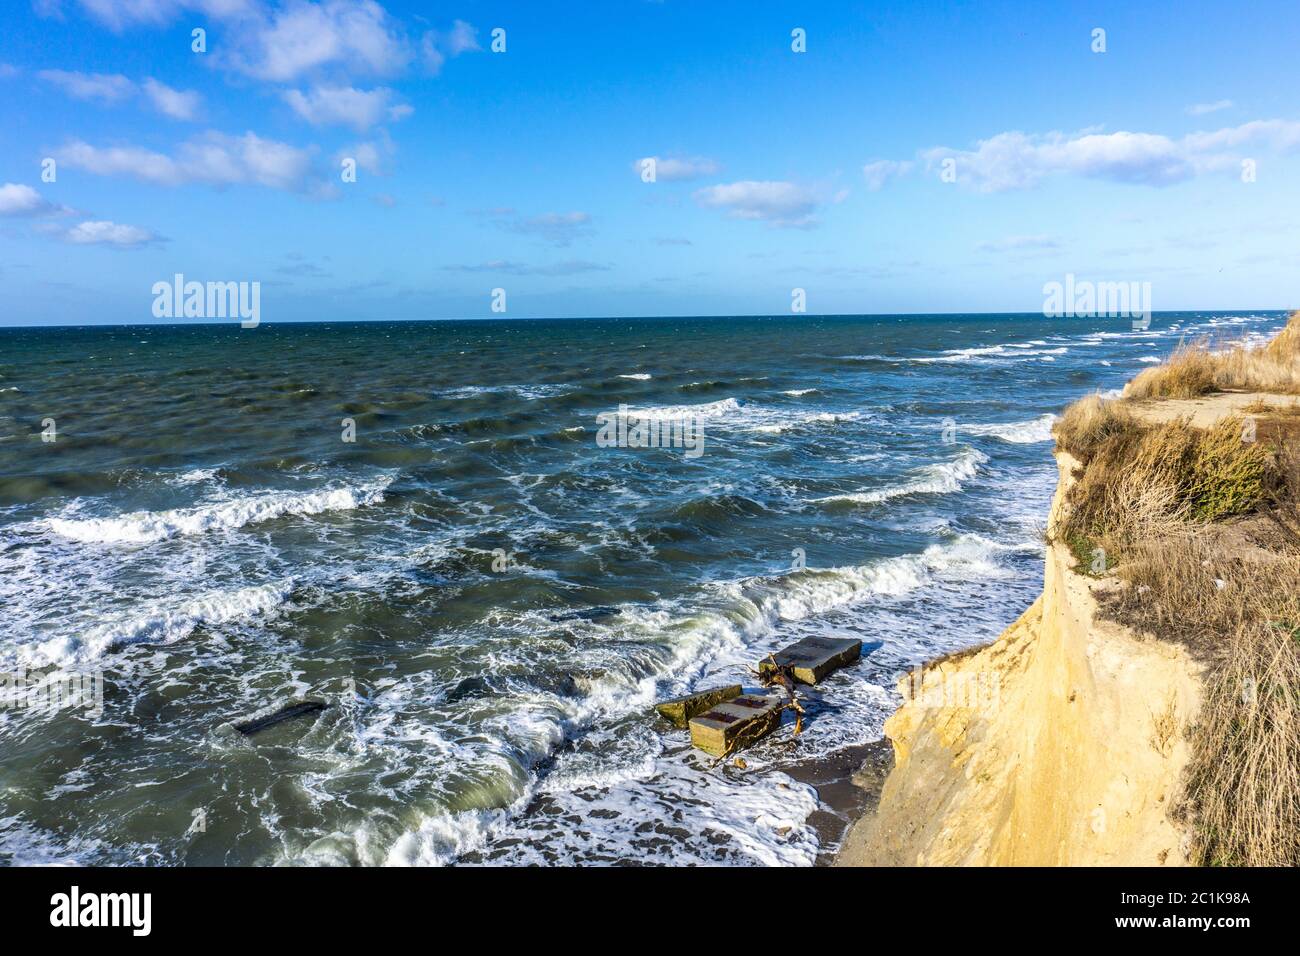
[1062,743]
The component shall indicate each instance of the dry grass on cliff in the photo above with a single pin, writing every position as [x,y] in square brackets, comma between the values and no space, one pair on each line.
[1236,605]
[1090,422]
[1202,526]
[1197,368]
[1243,789]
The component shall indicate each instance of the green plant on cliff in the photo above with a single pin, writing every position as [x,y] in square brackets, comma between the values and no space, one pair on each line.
[1144,481]
[1228,474]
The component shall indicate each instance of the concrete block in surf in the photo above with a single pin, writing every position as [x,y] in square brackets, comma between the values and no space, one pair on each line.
[680,710]
[736,723]
[811,659]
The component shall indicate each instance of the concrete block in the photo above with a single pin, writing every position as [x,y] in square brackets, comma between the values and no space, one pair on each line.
[681,709]
[740,721]
[815,657]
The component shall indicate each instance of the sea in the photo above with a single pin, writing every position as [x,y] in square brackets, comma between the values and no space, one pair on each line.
[422,526]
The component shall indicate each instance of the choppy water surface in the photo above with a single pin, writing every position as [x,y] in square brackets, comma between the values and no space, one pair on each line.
[492,601]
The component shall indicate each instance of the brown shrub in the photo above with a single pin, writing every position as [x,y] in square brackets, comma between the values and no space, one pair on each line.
[1150,481]
[1153,497]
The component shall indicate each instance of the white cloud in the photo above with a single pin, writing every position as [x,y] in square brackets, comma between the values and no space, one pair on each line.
[345,105]
[178,104]
[370,155]
[109,88]
[436,48]
[462,38]
[283,42]
[104,232]
[881,171]
[117,15]
[7,70]
[105,87]
[289,41]
[301,38]
[19,200]
[1280,136]
[1200,109]
[213,158]
[1015,160]
[779,203]
[557,228]
[672,170]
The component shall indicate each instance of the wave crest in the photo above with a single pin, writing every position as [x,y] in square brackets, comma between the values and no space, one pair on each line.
[148,527]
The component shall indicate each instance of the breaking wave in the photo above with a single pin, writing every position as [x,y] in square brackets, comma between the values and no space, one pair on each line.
[1019,433]
[147,527]
[938,479]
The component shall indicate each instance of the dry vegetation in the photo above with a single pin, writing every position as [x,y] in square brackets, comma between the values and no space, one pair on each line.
[1202,529]
[1197,368]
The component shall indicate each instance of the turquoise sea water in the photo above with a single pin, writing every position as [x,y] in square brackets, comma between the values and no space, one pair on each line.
[489,598]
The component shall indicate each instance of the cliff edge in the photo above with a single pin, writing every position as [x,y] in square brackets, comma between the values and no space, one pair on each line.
[1062,743]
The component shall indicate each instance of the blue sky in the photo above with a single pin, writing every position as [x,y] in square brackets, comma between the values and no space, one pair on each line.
[477,170]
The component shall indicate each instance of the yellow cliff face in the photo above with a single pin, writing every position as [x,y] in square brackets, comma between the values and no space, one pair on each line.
[1062,743]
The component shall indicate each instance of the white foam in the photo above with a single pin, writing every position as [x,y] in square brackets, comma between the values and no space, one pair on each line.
[726,406]
[529,392]
[638,376]
[774,422]
[937,479]
[194,477]
[963,355]
[796,392]
[22,844]
[1020,433]
[760,819]
[147,527]
[161,622]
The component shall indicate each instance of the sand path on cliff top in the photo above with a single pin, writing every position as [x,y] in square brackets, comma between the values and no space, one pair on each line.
[1207,409]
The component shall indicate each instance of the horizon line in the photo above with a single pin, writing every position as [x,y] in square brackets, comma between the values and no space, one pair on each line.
[629,318]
